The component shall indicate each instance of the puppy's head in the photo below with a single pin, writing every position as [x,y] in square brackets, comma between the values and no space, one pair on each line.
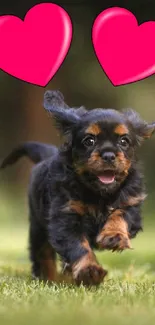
[102,142]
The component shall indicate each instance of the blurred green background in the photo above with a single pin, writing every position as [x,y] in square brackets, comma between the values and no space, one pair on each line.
[82,82]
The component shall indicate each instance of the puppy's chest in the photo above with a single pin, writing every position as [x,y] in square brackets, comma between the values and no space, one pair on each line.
[95,216]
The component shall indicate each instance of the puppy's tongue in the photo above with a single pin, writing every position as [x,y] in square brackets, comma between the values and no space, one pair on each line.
[107,177]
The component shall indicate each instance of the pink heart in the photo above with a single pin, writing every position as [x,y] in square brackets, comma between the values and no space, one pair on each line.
[33,50]
[126,51]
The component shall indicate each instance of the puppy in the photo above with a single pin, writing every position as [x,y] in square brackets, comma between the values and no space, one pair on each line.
[88,193]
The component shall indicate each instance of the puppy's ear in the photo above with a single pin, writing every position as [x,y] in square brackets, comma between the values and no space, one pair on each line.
[55,97]
[147,130]
[81,111]
[142,129]
[66,118]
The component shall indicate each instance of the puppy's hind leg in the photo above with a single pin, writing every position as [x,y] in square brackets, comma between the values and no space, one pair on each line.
[42,255]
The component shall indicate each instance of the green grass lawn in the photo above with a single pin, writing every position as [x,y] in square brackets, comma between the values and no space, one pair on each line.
[126,297]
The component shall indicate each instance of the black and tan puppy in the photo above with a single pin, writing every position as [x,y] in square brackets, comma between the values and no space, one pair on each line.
[88,194]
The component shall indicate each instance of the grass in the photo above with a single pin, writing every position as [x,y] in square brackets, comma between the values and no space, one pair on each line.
[127,296]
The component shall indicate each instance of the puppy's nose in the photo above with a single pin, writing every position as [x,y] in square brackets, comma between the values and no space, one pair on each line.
[108,157]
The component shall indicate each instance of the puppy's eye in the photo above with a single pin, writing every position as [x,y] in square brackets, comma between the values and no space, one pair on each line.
[89,141]
[124,142]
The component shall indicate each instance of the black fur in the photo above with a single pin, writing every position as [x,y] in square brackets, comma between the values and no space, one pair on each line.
[34,150]
[66,176]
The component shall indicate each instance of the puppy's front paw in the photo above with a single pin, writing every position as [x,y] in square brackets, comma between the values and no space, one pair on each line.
[115,241]
[89,275]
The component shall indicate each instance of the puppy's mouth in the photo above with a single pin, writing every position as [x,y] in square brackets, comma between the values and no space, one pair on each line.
[107,177]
